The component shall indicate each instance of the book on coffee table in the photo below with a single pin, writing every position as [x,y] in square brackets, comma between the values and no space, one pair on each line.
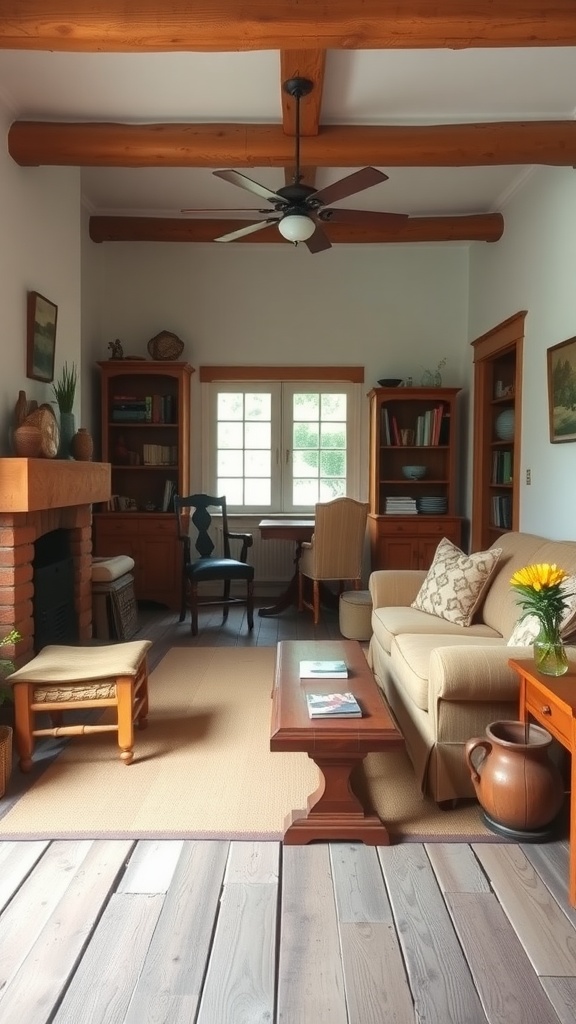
[323,670]
[333,705]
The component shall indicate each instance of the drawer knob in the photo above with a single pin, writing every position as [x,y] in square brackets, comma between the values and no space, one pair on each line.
[546,709]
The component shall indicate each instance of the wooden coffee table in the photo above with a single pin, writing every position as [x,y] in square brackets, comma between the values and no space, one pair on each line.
[337,746]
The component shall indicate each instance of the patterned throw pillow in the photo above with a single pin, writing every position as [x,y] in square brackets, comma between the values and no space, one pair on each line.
[456,582]
[527,628]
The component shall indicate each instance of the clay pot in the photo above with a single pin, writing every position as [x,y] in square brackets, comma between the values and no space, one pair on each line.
[518,785]
[82,445]
[27,441]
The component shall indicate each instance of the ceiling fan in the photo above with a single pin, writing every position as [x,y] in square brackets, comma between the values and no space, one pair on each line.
[301,207]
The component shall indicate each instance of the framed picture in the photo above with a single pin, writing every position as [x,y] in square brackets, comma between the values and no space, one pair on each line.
[40,337]
[562,391]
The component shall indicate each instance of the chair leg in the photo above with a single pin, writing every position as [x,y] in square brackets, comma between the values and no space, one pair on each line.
[316,602]
[225,598]
[183,600]
[250,603]
[300,592]
[125,697]
[24,724]
[194,608]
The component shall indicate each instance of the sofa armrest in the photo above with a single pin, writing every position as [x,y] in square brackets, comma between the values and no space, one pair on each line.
[395,588]
[473,673]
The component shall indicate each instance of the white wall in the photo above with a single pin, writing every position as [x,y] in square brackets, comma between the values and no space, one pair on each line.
[395,309]
[533,267]
[39,251]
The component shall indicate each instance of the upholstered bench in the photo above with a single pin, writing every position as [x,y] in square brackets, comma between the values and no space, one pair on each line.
[114,607]
[60,679]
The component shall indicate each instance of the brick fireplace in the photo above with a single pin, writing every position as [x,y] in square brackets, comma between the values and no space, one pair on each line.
[38,496]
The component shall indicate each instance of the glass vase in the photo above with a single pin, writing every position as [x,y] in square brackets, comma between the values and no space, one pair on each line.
[550,653]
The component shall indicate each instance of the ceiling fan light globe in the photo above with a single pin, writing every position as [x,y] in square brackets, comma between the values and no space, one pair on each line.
[296,227]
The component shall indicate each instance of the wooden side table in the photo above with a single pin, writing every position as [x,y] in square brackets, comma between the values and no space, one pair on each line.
[551,701]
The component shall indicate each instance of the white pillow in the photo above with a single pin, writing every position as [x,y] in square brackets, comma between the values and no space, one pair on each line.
[527,628]
[456,582]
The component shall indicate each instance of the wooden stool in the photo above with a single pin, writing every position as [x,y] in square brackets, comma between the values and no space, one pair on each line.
[65,678]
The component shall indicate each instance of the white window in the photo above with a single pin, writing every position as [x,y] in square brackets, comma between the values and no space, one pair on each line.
[281,447]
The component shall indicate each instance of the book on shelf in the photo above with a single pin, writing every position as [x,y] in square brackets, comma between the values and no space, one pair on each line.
[333,705]
[323,670]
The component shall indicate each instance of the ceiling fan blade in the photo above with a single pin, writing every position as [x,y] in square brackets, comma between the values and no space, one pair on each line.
[248,230]
[223,209]
[318,242]
[363,217]
[252,186]
[348,186]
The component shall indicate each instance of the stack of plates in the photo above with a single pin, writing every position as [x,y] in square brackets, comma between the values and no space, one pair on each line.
[432,506]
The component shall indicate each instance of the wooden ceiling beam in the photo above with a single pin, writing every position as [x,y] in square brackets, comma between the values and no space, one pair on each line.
[33,143]
[477,228]
[220,25]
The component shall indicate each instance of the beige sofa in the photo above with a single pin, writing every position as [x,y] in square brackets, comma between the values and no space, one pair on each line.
[446,682]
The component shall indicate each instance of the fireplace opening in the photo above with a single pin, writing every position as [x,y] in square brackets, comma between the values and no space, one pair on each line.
[55,619]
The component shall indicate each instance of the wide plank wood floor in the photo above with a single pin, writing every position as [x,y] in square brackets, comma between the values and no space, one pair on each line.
[183,932]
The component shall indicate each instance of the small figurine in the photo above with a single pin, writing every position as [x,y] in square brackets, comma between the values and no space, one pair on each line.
[116,348]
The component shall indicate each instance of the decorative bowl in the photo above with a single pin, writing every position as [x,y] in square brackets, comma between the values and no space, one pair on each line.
[390,382]
[414,472]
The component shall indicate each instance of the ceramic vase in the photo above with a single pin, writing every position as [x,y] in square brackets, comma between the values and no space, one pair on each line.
[27,441]
[516,782]
[67,431]
[82,445]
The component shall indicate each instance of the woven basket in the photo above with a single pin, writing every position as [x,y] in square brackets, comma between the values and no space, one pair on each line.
[165,346]
[5,756]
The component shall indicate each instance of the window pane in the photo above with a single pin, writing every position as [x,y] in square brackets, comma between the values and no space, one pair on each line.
[230,405]
[229,462]
[305,492]
[333,435]
[256,463]
[230,435]
[257,435]
[258,406]
[333,463]
[258,492]
[330,489]
[306,435]
[333,407]
[306,406]
[232,490]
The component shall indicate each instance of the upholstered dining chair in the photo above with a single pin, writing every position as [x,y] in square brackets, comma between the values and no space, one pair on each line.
[335,551]
[200,564]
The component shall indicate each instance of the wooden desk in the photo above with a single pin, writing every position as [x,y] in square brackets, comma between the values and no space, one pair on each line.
[297,531]
[337,746]
[551,701]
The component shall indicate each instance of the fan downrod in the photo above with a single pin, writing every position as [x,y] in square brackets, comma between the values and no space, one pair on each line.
[298,87]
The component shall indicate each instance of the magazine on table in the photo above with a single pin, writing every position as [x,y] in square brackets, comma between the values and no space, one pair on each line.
[333,705]
[323,670]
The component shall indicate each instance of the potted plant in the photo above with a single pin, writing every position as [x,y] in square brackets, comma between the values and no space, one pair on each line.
[6,667]
[65,390]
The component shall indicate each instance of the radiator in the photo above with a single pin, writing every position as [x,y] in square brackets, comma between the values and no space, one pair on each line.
[273,560]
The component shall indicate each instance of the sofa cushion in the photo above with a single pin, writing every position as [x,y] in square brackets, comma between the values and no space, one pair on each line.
[390,622]
[499,608]
[410,657]
[455,582]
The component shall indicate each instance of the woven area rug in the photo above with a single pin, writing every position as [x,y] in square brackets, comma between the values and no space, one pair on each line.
[203,768]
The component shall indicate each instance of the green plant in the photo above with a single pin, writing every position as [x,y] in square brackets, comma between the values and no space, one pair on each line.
[65,388]
[7,666]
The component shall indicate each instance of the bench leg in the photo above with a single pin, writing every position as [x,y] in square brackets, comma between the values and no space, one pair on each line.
[125,695]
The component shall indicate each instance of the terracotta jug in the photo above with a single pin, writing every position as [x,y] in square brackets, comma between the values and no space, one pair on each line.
[518,785]
[82,445]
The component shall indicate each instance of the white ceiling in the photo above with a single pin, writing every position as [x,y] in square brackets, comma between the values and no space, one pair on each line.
[376,87]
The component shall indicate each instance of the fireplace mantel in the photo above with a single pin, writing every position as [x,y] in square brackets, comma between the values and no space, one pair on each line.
[32,485]
[36,497]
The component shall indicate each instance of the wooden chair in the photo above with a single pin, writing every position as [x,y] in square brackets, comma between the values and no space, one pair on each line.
[63,679]
[335,551]
[194,518]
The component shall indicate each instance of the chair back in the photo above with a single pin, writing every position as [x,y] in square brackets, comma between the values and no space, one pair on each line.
[194,511]
[338,542]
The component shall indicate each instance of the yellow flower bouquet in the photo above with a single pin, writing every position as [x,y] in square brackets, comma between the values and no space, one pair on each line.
[540,593]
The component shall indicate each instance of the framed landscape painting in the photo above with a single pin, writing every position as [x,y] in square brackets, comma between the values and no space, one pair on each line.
[562,391]
[40,337]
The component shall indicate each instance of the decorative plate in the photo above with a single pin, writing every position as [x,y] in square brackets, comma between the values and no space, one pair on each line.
[165,346]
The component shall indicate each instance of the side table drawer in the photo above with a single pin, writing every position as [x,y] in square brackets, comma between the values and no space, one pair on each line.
[548,714]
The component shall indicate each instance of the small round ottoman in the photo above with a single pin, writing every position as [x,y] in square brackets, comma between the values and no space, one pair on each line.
[356,614]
